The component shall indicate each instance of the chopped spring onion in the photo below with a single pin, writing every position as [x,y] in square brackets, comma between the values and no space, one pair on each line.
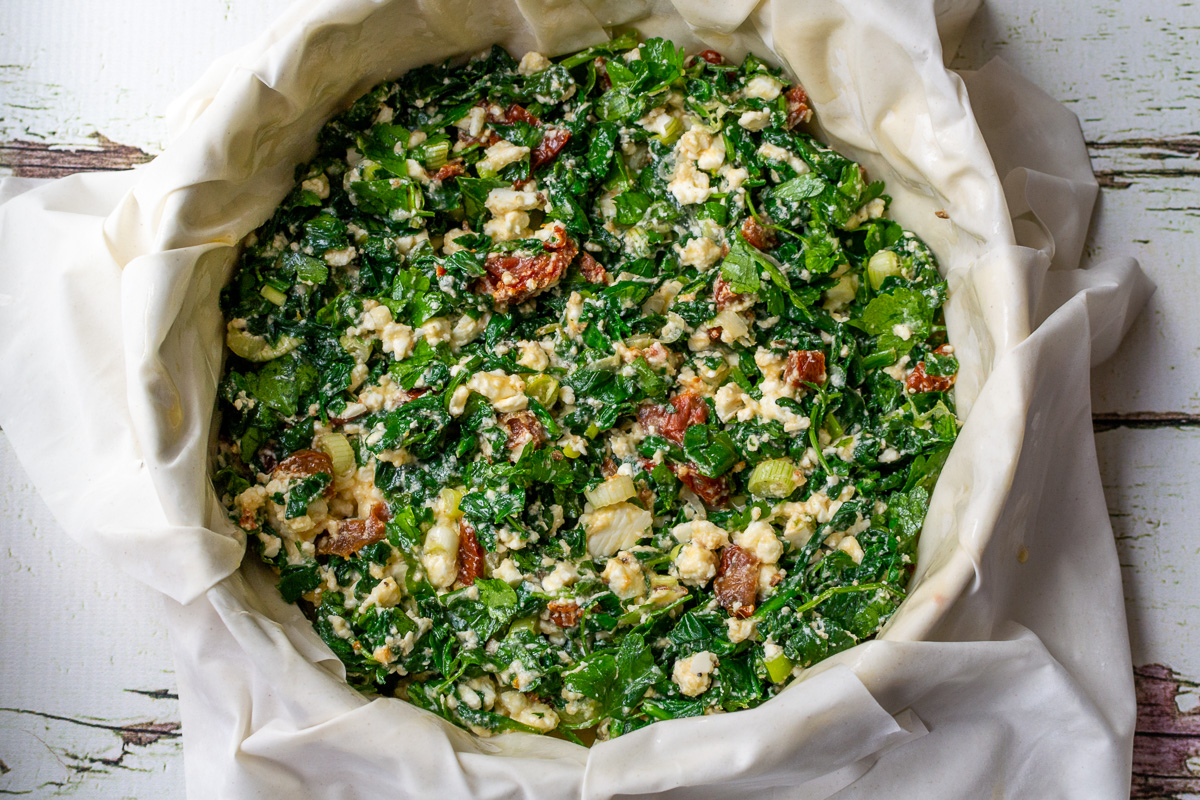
[842,293]
[255,348]
[671,132]
[592,431]
[448,500]
[637,242]
[544,389]
[435,154]
[733,325]
[273,295]
[775,477]
[884,264]
[338,448]
[571,452]
[779,667]
[529,623]
[357,347]
[612,491]
[639,341]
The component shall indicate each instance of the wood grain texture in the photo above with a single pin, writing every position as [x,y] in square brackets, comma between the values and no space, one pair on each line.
[1166,752]
[26,159]
[1131,72]
[102,720]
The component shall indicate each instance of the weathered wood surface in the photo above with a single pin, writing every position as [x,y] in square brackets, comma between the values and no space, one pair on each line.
[90,711]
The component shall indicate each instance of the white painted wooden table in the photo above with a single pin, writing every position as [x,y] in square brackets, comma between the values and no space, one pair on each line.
[87,704]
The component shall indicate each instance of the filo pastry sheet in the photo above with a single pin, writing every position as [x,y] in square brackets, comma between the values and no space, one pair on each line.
[1005,673]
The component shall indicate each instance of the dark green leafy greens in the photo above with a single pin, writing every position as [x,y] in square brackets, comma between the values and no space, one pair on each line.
[580,394]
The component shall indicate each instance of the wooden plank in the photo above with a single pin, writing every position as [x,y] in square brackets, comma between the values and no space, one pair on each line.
[1132,74]
[26,159]
[88,706]
[1148,483]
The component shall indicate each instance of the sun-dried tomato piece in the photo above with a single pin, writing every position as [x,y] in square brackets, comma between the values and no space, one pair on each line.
[523,428]
[560,241]
[689,409]
[919,382]
[723,295]
[758,236]
[591,269]
[711,56]
[713,491]
[470,554]
[797,106]
[487,140]
[805,366]
[564,614]
[513,279]
[715,333]
[602,78]
[303,463]
[517,113]
[353,535]
[548,149]
[608,468]
[266,457]
[736,584]
[450,169]
[359,411]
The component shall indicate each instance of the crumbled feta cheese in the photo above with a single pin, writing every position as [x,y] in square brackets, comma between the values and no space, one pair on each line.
[340,258]
[532,63]
[691,674]
[439,555]
[740,629]
[472,124]
[501,201]
[773,152]
[754,120]
[615,527]
[458,400]
[508,572]
[702,532]
[449,246]
[466,329]
[764,87]
[700,252]
[565,573]
[500,155]
[386,594]
[533,713]
[397,339]
[508,226]
[688,184]
[760,539]
[435,331]
[696,565]
[657,120]
[505,392]
[318,185]
[533,356]
[624,576]
[850,546]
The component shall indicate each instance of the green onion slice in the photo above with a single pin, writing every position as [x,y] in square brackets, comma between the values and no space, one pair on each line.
[775,477]
[338,448]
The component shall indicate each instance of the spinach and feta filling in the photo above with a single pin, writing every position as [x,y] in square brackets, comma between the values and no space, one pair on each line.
[575,394]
